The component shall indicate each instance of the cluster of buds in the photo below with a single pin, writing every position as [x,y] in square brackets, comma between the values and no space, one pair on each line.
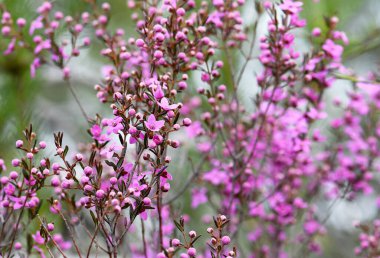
[43,31]
[219,242]
[187,243]
[18,189]
[369,240]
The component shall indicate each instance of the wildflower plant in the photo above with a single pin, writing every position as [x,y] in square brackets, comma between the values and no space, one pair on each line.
[259,171]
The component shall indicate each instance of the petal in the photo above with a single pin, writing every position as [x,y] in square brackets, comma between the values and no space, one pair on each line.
[160,124]
[151,119]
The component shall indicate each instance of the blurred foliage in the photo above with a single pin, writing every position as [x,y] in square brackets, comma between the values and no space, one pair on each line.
[344,9]
[347,11]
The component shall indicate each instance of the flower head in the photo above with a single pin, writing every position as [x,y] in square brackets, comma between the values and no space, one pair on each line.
[154,125]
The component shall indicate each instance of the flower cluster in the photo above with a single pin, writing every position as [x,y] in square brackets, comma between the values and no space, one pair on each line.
[369,240]
[261,167]
[40,37]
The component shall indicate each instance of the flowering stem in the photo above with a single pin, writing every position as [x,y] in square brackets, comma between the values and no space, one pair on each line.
[51,238]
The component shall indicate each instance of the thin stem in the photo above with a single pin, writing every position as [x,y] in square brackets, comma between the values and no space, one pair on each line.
[92,240]
[159,202]
[78,102]
[71,233]
[51,238]
[143,238]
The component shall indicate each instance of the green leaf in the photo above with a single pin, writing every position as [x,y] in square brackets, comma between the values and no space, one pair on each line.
[94,219]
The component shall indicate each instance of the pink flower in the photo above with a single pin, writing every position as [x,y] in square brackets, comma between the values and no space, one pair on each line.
[199,196]
[154,125]
[2,165]
[46,44]
[332,49]
[158,93]
[11,47]
[311,227]
[115,125]
[35,25]
[38,238]
[34,66]
[291,7]
[194,130]
[96,132]
[110,150]
[64,245]
[215,177]
[164,104]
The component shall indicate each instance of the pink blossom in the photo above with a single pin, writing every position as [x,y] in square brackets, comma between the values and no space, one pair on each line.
[164,104]
[154,125]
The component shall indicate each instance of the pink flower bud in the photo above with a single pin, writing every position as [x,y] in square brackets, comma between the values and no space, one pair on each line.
[181,12]
[316,32]
[176,242]
[6,30]
[187,121]
[19,143]
[66,72]
[16,162]
[4,180]
[13,175]
[18,246]
[192,252]
[55,181]
[165,187]
[147,201]
[192,234]
[88,188]
[140,43]
[113,180]
[100,194]
[42,145]
[226,240]
[79,157]
[21,22]
[50,227]
[161,255]
[158,54]
[88,171]
[106,7]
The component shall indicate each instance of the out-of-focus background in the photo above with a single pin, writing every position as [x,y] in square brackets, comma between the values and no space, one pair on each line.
[47,103]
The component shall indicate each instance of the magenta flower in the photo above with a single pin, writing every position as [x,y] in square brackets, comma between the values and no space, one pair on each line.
[64,245]
[110,150]
[291,6]
[96,132]
[154,125]
[311,227]
[115,125]
[36,24]
[164,104]
[199,196]
[38,238]
[11,47]
[158,93]
[34,66]
[333,50]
